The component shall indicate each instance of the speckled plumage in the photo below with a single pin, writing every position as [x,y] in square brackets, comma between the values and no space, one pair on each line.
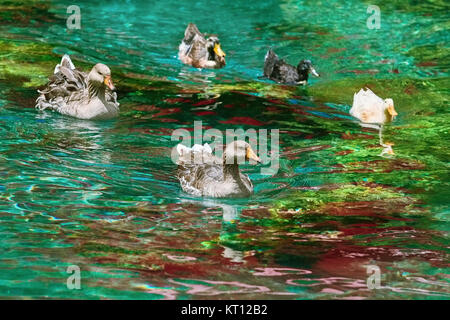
[202,174]
[77,94]
[197,51]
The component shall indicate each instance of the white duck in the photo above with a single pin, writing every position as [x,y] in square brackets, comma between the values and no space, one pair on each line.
[369,108]
[80,95]
[374,112]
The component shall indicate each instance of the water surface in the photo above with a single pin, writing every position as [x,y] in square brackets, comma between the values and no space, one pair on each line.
[104,196]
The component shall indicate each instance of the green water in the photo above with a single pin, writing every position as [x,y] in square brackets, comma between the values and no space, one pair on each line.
[104,196]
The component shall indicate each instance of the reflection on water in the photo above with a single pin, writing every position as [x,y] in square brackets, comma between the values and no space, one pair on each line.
[104,195]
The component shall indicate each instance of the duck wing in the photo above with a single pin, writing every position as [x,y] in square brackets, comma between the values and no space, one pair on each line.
[191,33]
[367,107]
[197,50]
[198,168]
[194,179]
[285,73]
[111,97]
[62,86]
[194,43]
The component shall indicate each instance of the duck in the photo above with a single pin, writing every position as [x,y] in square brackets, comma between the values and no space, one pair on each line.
[369,108]
[204,175]
[200,52]
[374,112]
[77,94]
[279,71]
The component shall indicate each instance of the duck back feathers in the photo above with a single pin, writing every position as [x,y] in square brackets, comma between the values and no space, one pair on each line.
[278,70]
[269,62]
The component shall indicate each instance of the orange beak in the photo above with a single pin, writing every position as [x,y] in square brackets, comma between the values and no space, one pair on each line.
[252,155]
[392,111]
[218,51]
[108,82]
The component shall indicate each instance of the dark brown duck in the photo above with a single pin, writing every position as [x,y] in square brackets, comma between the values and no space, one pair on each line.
[278,70]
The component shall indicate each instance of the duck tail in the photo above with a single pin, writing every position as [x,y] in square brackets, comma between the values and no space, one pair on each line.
[202,148]
[269,62]
[198,154]
[182,150]
[190,33]
[269,53]
[65,62]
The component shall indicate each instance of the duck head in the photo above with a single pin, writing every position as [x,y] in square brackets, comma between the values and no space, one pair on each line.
[305,67]
[389,109]
[239,151]
[100,75]
[214,50]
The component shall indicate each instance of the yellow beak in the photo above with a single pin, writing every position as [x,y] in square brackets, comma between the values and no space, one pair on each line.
[218,50]
[108,82]
[251,155]
[392,112]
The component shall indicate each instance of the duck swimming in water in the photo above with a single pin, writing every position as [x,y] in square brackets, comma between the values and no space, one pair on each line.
[74,93]
[199,52]
[202,174]
[278,70]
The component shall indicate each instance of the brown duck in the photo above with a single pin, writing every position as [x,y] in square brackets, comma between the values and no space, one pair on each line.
[199,52]
[202,174]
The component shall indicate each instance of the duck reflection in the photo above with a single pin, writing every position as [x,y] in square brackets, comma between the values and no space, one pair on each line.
[234,255]
[230,215]
[196,77]
[200,82]
[73,135]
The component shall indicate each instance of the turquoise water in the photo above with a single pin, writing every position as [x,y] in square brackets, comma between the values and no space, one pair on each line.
[104,195]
